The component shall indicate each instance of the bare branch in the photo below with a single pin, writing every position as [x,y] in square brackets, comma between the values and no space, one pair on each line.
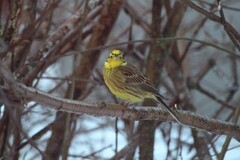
[137,113]
[231,31]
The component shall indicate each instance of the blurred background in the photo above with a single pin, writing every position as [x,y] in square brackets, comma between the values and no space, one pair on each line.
[189,49]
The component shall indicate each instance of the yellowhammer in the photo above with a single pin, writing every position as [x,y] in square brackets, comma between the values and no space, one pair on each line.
[128,83]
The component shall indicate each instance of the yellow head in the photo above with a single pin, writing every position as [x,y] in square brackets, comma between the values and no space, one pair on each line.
[115,59]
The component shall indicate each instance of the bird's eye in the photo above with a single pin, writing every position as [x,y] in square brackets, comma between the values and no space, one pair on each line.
[116,54]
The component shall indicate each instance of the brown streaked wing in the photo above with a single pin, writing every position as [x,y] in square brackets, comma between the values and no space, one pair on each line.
[134,77]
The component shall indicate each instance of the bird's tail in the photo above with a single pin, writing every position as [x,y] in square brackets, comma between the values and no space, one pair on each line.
[168,109]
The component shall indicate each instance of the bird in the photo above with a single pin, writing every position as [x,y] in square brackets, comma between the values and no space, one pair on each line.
[128,83]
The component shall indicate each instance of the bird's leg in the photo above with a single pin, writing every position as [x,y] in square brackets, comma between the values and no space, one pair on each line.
[128,104]
[102,105]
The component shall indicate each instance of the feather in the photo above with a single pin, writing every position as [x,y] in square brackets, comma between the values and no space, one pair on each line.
[133,77]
